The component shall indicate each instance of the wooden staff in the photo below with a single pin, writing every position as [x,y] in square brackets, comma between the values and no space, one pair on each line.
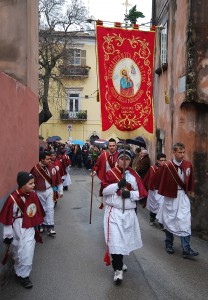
[6,255]
[91,199]
[123,200]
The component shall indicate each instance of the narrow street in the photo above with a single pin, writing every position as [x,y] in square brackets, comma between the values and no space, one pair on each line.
[70,266]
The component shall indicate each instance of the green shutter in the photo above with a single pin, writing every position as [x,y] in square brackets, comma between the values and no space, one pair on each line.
[83,57]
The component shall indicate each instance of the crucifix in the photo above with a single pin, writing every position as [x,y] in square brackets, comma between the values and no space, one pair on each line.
[126,4]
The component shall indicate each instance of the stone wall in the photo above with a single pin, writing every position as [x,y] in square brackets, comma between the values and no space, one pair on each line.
[185,80]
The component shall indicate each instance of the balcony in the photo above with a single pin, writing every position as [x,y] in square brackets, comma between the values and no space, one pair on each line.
[80,115]
[74,71]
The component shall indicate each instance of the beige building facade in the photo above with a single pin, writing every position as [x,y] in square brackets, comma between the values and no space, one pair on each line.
[76,115]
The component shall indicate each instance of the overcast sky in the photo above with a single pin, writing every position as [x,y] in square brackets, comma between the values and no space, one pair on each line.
[114,10]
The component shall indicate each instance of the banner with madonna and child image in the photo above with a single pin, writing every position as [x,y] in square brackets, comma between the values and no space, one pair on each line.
[125,67]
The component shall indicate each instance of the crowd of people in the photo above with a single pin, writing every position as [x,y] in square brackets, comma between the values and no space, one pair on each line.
[126,177]
[80,156]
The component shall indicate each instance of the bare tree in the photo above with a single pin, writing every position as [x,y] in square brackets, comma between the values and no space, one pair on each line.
[58,25]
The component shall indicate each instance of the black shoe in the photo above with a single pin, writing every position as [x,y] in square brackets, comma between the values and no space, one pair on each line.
[65,188]
[161,227]
[26,282]
[169,249]
[190,253]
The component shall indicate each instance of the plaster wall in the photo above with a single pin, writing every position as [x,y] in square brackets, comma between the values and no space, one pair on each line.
[161,7]
[184,119]
[178,125]
[18,97]
[18,56]
[18,131]
[198,49]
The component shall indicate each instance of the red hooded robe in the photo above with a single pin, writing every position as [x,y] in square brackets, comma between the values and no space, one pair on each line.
[32,210]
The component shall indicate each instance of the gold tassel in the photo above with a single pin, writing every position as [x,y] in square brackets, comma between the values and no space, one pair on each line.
[98,96]
[167,98]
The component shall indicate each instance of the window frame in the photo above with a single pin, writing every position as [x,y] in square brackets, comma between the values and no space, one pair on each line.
[77,57]
[71,94]
[164,44]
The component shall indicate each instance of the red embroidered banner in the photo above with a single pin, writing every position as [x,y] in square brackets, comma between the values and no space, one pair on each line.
[125,64]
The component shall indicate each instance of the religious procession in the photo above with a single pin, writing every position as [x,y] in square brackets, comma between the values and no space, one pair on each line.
[126,178]
[105,150]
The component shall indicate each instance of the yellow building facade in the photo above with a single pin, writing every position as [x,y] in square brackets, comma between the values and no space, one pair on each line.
[76,115]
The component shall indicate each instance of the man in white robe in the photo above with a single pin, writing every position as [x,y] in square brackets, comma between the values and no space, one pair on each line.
[121,226]
[175,212]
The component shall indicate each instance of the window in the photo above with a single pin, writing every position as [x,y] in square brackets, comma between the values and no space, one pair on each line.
[160,142]
[77,57]
[164,44]
[73,100]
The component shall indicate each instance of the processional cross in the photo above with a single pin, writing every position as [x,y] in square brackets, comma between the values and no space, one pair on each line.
[127,4]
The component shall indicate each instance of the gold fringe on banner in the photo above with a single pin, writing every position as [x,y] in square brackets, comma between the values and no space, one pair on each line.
[114,132]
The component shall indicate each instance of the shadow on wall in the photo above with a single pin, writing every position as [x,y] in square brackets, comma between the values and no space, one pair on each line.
[199,201]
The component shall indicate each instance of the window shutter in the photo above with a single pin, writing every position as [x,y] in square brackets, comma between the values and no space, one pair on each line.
[83,57]
[70,56]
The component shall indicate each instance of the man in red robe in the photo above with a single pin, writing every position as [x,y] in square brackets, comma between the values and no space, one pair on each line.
[49,187]
[122,187]
[106,161]
[21,212]
[154,200]
[66,163]
[56,162]
[177,180]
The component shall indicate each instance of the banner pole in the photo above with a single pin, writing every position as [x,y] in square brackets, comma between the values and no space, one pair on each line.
[91,199]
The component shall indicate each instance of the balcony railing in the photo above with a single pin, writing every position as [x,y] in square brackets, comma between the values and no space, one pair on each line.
[75,71]
[80,115]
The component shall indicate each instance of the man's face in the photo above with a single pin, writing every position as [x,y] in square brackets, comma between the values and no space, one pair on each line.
[53,157]
[112,147]
[179,154]
[121,162]
[62,150]
[161,161]
[46,161]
